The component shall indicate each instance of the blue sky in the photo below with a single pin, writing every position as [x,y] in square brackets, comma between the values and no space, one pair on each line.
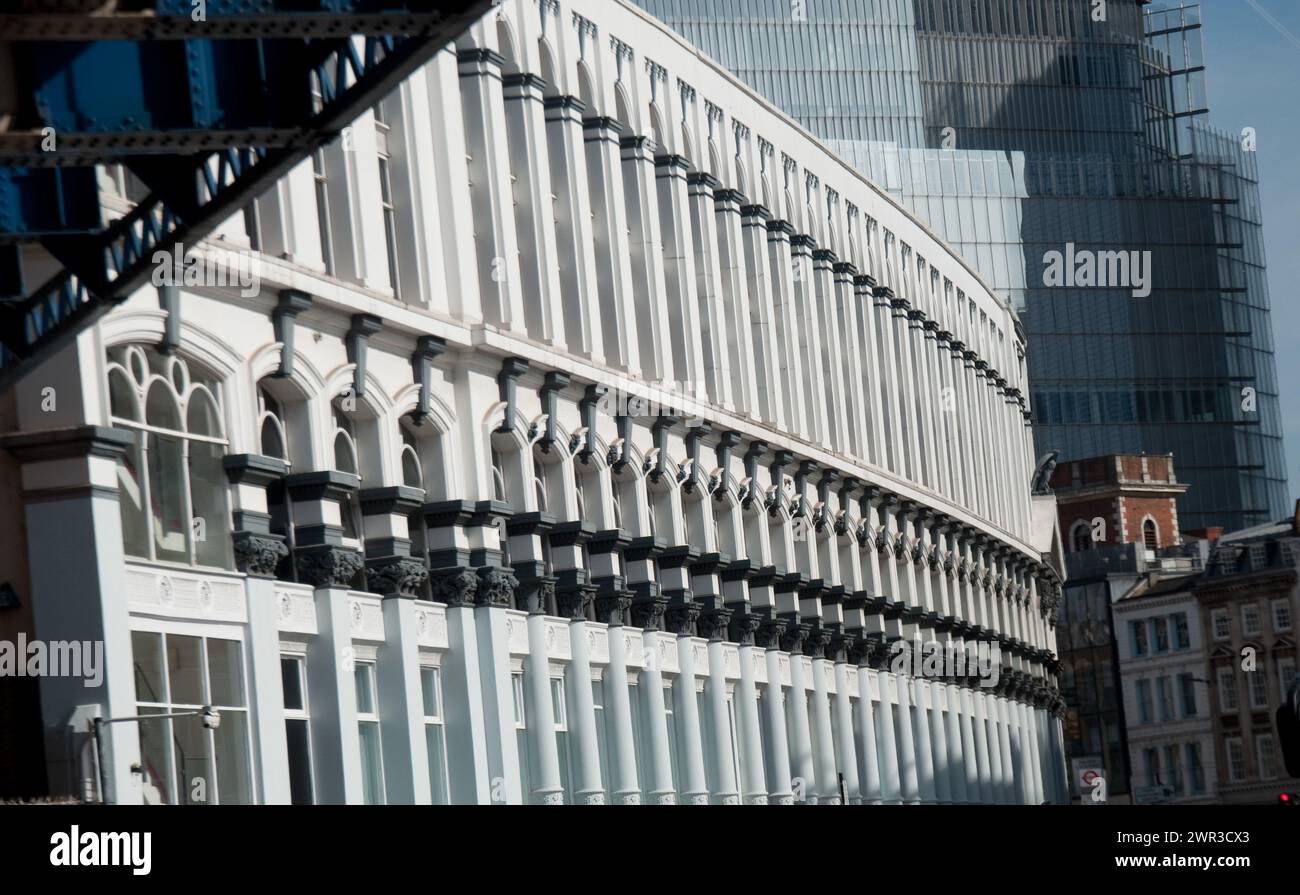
[1252,53]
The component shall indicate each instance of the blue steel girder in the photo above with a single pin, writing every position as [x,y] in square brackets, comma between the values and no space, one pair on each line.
[193,191]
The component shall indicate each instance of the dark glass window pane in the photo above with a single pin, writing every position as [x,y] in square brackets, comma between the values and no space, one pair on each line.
[185,669]
[225,673]
[146,652]
[234,772]
[291,678]
[299,742]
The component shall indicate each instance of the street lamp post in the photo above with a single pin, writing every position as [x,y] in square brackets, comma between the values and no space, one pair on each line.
[211,720]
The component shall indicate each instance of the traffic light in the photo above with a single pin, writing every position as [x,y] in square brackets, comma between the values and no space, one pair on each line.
[1288,798]
[1288,728]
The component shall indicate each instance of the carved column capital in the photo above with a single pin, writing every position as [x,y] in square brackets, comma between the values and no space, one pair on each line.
[455,586]
[496,587]
[329,566]
[258,554]
[396,576]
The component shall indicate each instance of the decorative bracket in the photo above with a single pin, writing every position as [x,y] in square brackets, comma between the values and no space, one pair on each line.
[549,393]
[292,303]
[588,407]
[427,350]
[806,468]
[780,460]
[661,428]
[694,436]
[507,382]
[363,327]
[726,443]
[756,450]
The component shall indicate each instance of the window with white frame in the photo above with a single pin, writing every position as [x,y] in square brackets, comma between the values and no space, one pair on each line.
[383,135]
[182,761]
[560,709]
[1150,537]
[1173,768]
[347,459]
[1151,766]
[275,440]
[1143,691]
[670,715]
[521,736]
[499,491]
[640,745]
[1187,689]
[1266,755]
[1257,681]
[602,736]
[372,760]
[1165,696]
[1236,759]
[733,729]
[1182,634]
[1160,627]
[273,435]
[1250,626]
[1221,624]
[1227,690]
[297,728]
[320,177]
[707,738]
[412,468]
[1281,615]
[1138,634]
[1080,536]
[1195,770]
[1285,674]
[435,735]
[539,484]
[172,485]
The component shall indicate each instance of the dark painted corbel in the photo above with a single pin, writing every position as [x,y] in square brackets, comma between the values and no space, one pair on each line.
[661,428]
[363,327]
[694,437]
[588,407]
[292,303]
[806,468]
[169,299]
[780,460]
[550,394]
[756,450]
[829,477]
[726,443]
[618,462]
[847,487]
[427,350]
[507,380]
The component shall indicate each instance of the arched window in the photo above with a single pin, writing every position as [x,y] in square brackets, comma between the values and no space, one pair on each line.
[579,496]
[271,425]
[172,484]
[539,483]
[347,459]
[412,469]
[1080,537]
[498,476]
[1150,537]
[345,440]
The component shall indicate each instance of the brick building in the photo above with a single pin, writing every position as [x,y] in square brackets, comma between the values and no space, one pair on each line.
[1119,518]
[1119,499]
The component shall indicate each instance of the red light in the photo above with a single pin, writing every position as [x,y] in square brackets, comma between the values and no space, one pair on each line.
[1285,797]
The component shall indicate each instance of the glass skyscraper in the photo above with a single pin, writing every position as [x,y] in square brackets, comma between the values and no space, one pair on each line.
[1094,118]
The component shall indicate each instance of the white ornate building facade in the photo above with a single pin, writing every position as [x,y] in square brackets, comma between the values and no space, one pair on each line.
[589,435]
